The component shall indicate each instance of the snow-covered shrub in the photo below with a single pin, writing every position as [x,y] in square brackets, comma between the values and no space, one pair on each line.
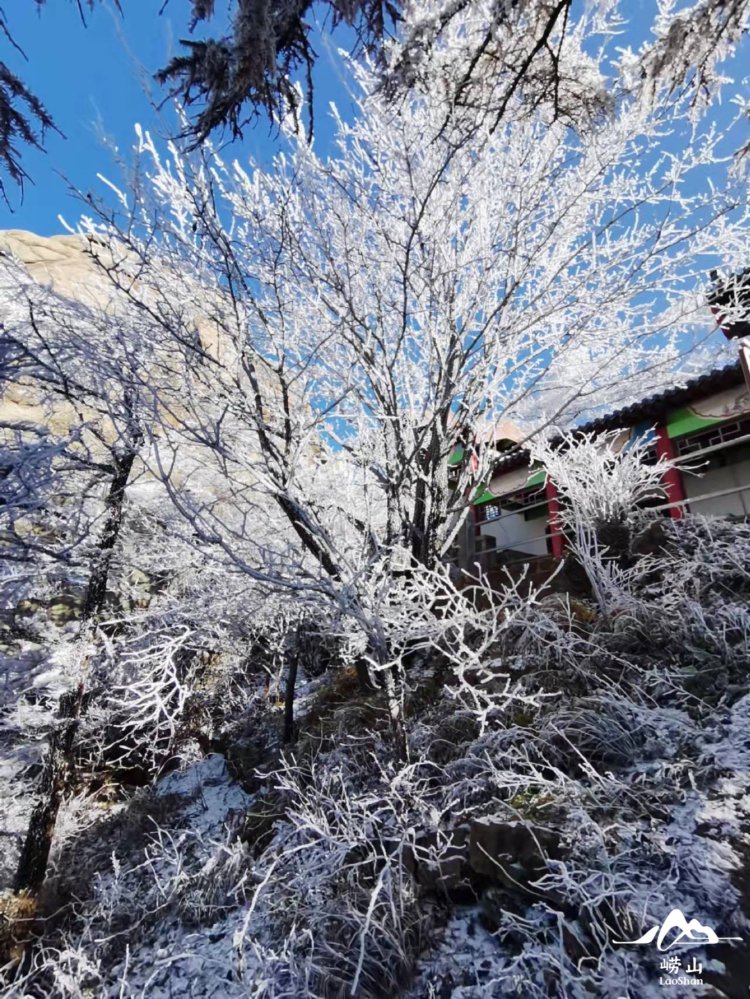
[335,868]
[603,482]
[572,776]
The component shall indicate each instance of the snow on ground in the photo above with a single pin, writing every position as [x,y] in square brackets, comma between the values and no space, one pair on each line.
[211,796]
[171,957]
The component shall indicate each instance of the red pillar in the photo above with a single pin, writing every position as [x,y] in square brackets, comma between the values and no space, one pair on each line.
[673,485]
[553,518]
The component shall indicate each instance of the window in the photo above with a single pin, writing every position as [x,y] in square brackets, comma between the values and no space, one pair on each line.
[532,503]
[722,433]
[490,511]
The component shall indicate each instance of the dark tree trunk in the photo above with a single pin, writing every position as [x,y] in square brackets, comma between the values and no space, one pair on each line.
[97,588]
[396,714]
[57,770]
[291,680]
[429,501]
[32,864]
[364,678]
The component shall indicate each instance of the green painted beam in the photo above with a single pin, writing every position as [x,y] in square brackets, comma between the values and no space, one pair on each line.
[537,478]
[685,421]
[483,495]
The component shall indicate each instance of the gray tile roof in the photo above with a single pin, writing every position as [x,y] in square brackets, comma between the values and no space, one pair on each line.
[652,407]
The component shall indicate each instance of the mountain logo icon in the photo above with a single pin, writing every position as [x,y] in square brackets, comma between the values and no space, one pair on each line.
[677,931]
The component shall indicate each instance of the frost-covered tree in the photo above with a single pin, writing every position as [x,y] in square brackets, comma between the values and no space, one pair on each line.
[484,54]
[81,365]
[379,309]
[77,368]
[84,520]
[491,54]
[326,335]
[605,480]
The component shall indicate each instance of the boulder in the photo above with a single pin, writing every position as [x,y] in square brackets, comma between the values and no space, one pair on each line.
[510,852]
[442,867]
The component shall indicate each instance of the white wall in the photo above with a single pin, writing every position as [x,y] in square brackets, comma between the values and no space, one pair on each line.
[517,533]
[715,480]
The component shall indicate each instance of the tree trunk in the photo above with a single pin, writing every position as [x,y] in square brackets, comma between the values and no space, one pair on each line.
[390,689]
[395,714]
[58,767]
[97,588]
[366,684]
[430,496]
[291,680]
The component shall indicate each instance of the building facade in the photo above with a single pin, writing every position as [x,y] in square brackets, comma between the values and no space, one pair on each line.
[704,427]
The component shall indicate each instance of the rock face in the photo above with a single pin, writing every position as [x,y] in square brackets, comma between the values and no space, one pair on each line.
[70,267]
[62,263]
[74,268]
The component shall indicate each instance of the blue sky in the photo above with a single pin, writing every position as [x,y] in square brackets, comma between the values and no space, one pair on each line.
[93,79]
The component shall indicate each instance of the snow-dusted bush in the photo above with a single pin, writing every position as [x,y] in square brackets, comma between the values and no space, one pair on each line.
[603,481]
[300,351]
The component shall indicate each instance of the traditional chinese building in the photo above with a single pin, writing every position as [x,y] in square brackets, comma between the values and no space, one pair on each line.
[703,426]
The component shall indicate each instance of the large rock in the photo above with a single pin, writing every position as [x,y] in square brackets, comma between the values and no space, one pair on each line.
[510,852]
[443,867]
[62,263]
